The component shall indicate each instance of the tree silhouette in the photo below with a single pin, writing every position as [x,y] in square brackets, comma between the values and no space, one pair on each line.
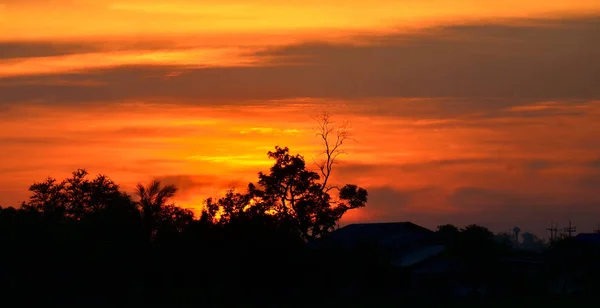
[233,205]
[506,238]
[75,197]
[532,242]
[475,250]
[295,196]
[448,233]
[83,239]
[157,213]
[47,197]
[291,194]
[72,235]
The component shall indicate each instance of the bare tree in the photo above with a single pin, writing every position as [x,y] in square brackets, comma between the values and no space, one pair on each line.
[333,137]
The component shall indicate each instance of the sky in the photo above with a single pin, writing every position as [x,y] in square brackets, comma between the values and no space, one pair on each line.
[461,111]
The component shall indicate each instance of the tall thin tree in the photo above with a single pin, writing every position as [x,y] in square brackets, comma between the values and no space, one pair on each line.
[153,198]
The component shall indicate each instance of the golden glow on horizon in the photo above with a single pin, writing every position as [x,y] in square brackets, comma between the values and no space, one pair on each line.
[206,150]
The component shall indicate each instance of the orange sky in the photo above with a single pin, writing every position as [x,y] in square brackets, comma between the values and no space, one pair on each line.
[463,112]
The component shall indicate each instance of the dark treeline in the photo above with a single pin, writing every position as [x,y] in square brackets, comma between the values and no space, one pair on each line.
[84,240]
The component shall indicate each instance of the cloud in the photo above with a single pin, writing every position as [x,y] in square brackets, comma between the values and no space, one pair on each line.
[16,50]
[34,141]
[317,19]
[497,192]
[395,199]
[191,58]
[483,199]
[355,169]
[496,208]
[589,180]
[150,131]
[387,203]
[447,112]
[437,164]
[392,198]
[474,60]
[426,166]
[595,163]
[553,60]
[490,203]
[52,48]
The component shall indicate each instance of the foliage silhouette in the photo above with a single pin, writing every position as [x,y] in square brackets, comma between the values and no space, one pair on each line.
[83,239]
[158,215]
[291,195]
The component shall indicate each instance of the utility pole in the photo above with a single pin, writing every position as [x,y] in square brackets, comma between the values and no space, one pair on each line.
[553,230]
[570,229]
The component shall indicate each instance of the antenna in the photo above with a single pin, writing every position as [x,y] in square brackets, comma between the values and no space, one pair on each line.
[570,229]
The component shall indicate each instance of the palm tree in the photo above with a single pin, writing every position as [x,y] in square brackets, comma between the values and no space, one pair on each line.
[153,198]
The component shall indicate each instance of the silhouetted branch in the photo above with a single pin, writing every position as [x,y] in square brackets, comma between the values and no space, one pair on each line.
[331,144]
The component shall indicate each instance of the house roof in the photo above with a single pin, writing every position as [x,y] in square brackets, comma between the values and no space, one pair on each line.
[393,234]
[592,238]
[410,244]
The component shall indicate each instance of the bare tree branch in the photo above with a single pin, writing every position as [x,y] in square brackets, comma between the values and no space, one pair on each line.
[333,138]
